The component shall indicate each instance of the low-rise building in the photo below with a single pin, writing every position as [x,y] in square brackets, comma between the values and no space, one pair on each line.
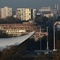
[45,9]
[22,29]
[49,15]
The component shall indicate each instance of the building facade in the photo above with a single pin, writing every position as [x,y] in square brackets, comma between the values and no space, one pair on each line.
[5,12]
[45,9]
[22,29]
[23,13]
[49,15]
[33,13]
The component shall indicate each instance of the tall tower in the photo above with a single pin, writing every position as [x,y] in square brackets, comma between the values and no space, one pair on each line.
[57,6]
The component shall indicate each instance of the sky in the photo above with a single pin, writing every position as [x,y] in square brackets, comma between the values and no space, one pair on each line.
[28,3]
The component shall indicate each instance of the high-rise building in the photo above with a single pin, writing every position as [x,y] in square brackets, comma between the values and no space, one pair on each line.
[5,12]
[23,13]
[33,13]
[57,6]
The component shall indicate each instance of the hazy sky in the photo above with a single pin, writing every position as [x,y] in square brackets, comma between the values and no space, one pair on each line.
[28,3]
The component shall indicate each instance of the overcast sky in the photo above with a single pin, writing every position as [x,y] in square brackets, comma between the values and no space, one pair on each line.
[28,3]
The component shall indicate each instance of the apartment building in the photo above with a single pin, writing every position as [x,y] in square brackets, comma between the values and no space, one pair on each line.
[5,12]
[23,13]
[22,29]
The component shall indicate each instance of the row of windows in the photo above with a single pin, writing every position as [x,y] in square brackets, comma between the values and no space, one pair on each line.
[10,25]
[15,31]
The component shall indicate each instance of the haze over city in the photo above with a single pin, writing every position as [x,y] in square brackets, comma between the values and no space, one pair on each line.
[28,3]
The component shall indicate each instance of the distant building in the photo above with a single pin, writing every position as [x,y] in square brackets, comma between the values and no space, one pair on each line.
[5,12]
[14,16]
[54,11]
[38,14]
[23,13]
[13,12]
[22,29]
[33,13]
[57,6]
[58,12]
[49,15]
[45,9]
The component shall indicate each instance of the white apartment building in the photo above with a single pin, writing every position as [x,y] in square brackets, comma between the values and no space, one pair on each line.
[5,12]
[23,13]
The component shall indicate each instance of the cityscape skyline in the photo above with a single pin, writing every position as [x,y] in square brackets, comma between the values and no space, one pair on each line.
[28,3]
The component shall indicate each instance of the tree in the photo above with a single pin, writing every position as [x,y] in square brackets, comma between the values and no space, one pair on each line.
[11,54]
[57,57]
[58,44]
[58,35]
[41,20]
[58,18]
[10,20]
[44,57]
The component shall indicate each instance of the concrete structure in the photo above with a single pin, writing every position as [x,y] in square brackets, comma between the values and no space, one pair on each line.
[8,42]
[5,12]
[54,35]
[23,13]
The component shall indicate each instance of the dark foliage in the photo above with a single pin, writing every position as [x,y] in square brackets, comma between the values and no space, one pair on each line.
[10,20]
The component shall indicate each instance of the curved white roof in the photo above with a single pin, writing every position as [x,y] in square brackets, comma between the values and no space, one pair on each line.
[14,41]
